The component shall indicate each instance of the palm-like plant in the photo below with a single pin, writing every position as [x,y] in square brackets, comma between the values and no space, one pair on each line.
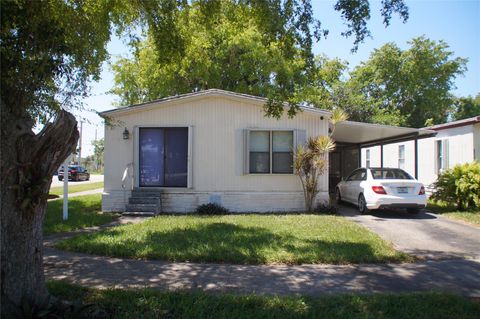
[311,161]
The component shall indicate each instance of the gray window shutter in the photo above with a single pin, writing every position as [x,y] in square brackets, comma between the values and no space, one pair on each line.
[300,138]
[246,151]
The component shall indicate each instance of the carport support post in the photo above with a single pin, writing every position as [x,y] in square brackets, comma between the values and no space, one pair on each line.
[381,155]
[359,156]
[415,150]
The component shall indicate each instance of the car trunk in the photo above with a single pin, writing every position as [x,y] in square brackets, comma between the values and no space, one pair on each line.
[400,187]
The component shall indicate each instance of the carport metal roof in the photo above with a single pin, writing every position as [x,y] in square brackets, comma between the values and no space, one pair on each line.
[367,134]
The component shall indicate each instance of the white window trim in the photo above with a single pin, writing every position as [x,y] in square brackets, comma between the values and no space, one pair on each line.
[247,150]
[136,156]
[401,158]
[445,155]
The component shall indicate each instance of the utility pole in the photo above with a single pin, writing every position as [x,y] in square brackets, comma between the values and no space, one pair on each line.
[80,145]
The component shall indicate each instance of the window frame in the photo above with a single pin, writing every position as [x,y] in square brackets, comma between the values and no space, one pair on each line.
[441,155]
[136,156]
[270,131]
[354,173]
[401,159]
[367,158]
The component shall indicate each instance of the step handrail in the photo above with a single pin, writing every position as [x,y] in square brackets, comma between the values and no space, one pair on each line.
[126,174]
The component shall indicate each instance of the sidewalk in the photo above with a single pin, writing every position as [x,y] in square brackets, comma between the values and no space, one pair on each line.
[89,192]
[460,276]
[454,276]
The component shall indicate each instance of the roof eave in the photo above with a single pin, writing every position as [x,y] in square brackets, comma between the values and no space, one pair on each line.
[211,92]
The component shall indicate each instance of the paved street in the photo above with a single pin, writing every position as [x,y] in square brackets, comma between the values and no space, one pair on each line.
[93,179]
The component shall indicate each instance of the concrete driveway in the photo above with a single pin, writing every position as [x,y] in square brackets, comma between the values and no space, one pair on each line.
[425,235]
[93,179]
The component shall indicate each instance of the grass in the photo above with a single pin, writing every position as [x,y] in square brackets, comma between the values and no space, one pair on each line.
[241,239]
[76,188]
[147,303]
[83,211]
[471,216]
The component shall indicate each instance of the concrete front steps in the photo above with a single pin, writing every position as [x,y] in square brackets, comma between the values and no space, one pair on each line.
[144,202]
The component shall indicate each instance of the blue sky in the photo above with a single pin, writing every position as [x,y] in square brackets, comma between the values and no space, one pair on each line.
[455,22]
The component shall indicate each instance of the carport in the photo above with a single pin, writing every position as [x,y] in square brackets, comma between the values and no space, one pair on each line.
[351,137]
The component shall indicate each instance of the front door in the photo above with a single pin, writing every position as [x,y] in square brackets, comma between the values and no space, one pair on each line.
[163,157]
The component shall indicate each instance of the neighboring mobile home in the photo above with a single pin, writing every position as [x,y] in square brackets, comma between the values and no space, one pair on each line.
[455,143]
[176,153]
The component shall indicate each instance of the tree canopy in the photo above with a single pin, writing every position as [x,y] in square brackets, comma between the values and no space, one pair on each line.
[465,107]
[262,48]
[409,87]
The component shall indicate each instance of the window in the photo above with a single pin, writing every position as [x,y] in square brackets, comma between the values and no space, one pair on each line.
[442,155]
[368,158]
[270,152]
[163,157]
[389,173]
[401,156]
[359,175]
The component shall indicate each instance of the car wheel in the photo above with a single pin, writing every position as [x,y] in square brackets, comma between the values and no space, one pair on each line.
[338,196]
[413,211]
[60,179]
[362,205]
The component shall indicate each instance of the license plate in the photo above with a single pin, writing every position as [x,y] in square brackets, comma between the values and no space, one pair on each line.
[402,190]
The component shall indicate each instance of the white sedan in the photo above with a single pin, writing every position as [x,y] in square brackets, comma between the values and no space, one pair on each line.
[382,188]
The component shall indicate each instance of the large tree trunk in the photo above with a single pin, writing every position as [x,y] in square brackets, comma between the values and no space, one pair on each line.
[27,165]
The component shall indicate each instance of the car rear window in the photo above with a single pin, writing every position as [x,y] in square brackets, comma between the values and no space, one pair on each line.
[388,173]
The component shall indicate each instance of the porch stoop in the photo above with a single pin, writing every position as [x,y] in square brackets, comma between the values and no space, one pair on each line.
[144,202]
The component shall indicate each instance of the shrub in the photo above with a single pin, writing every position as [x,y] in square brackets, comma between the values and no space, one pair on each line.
[326,209]
[459,185]
[211,209]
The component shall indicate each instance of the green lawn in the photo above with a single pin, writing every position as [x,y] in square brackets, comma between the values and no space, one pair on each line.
[76,188]
[471,216]
[83,211]
[146,303]
[241,239]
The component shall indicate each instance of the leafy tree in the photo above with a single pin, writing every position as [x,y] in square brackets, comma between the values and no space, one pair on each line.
[409,86]
[466,107]
[256,47]
[98,150]
[51,50]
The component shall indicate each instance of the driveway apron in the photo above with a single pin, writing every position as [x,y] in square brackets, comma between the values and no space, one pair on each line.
[425,235]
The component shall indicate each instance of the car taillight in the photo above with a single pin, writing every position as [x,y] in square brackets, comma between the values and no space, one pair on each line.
[73,171]
[422,191]
[379,190]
